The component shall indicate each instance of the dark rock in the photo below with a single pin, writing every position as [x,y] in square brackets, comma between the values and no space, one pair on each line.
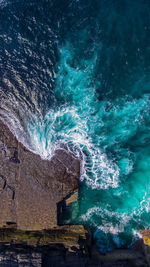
[15,157]
[62,246]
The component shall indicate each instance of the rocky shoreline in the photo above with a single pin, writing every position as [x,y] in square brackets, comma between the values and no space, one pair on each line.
[32,194]
[30,187]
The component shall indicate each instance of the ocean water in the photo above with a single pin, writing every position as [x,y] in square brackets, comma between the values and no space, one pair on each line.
[77,72]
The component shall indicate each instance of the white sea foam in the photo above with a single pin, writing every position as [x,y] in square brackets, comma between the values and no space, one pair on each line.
[106,217]
[85,110]
[137,234]
[65,126]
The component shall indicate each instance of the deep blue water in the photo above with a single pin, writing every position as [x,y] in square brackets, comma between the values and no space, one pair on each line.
[78,73]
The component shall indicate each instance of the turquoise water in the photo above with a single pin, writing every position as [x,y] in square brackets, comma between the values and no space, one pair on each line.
[82,78]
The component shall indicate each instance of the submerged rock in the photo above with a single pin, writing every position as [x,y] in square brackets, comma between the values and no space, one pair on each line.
[30,187]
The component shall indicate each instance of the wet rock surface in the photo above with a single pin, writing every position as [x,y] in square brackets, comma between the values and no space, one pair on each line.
[30,187]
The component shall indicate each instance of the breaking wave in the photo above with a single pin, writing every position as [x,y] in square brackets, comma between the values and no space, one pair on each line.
[72,76]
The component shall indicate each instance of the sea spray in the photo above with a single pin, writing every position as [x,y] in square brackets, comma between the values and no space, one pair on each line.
[98,131]
[76,73]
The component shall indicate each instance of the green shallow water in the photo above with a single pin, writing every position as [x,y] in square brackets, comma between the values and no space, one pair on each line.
[93,94]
